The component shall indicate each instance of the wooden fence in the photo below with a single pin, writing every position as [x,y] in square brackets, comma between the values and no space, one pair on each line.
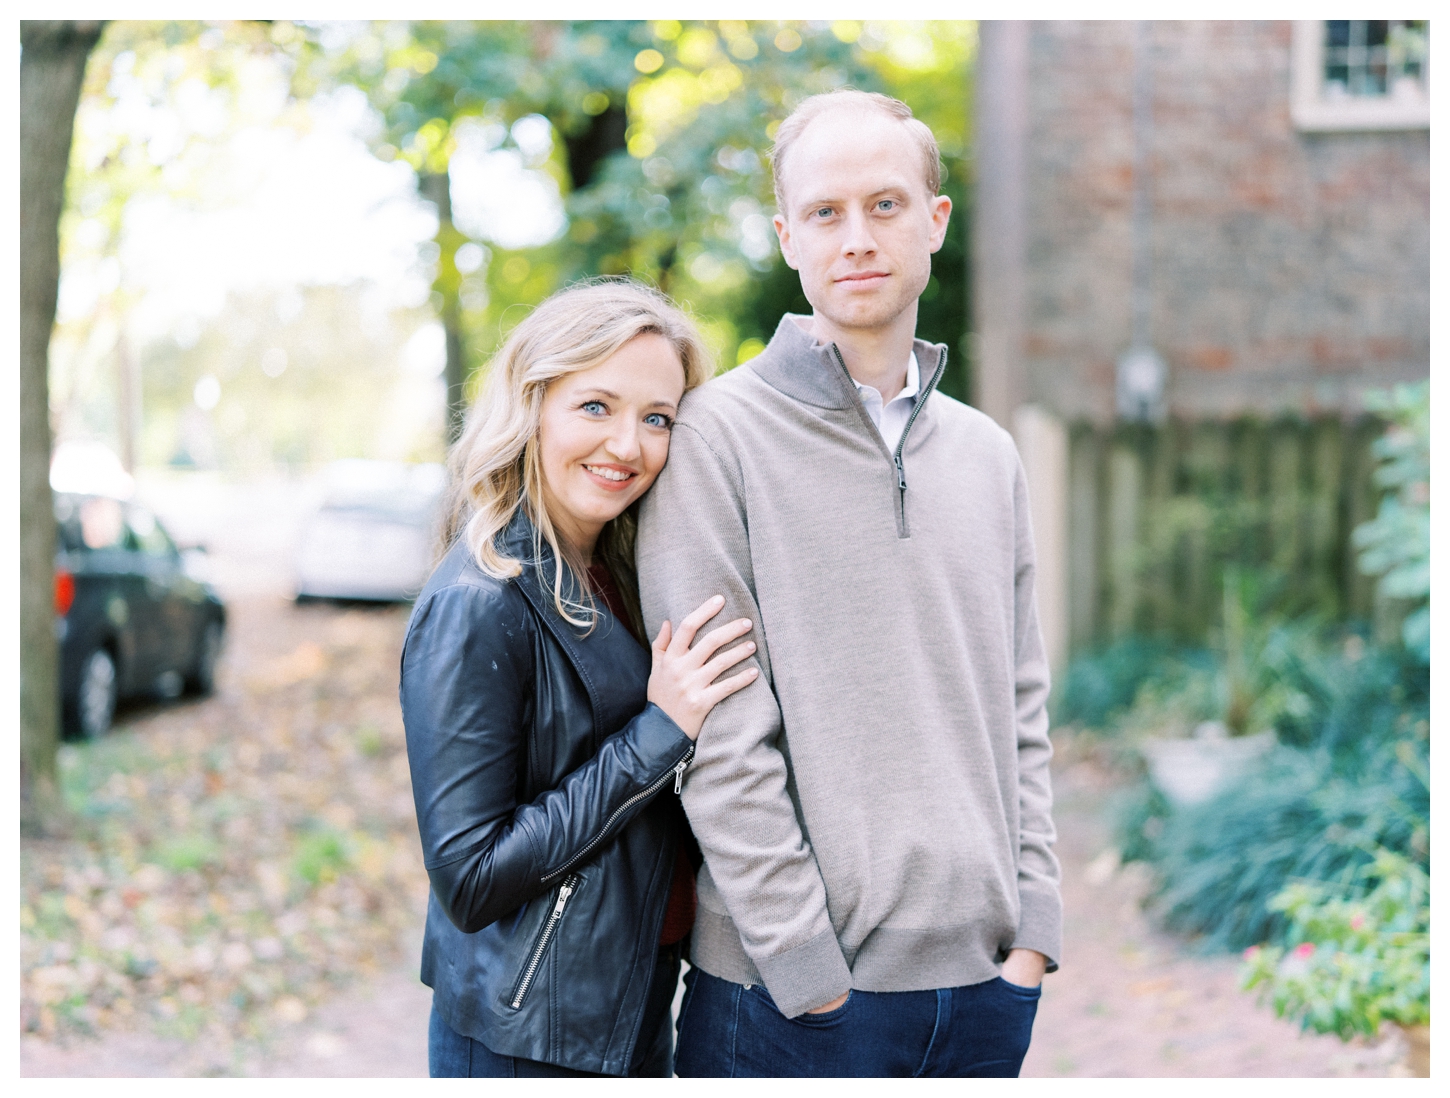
[1156,514]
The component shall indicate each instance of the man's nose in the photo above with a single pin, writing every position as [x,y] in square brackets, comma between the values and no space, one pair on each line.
[859,240]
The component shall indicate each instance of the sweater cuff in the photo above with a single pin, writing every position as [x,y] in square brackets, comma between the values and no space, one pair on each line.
[808,976]
[1040,925]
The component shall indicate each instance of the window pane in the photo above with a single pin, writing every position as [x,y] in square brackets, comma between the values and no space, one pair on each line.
[1366,57]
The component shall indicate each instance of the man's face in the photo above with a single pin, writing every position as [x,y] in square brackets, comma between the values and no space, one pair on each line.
[859,223]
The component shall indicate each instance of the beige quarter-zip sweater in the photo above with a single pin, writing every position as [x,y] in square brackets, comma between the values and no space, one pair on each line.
[874,811]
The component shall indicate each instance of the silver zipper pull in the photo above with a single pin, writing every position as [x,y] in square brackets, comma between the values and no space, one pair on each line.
[565,891]
[680,774]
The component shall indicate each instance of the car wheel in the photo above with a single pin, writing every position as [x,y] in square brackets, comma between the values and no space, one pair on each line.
[96,696]
[202,679]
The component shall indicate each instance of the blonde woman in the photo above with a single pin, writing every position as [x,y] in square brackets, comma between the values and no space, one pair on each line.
[546,742]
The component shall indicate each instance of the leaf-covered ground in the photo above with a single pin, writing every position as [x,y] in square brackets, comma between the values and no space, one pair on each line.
[233,862]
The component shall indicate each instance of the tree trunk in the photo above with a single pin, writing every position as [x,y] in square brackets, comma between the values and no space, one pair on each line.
[52,68]
[434,187]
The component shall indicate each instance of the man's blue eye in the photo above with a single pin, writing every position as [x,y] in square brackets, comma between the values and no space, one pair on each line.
[824,211]
[594,407]
[886,204]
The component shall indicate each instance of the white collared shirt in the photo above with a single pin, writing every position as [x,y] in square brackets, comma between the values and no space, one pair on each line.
[891,419]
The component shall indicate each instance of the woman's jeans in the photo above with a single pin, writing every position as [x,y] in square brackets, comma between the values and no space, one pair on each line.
[451,1055]
[979,1030]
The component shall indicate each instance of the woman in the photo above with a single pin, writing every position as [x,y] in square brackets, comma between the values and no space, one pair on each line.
[545,741]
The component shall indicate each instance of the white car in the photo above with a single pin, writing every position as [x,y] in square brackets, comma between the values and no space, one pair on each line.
[373,535]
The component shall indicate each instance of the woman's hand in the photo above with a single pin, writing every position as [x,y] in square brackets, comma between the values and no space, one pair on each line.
[682,679]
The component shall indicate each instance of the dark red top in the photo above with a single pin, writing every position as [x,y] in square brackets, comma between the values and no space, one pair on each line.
[680,908]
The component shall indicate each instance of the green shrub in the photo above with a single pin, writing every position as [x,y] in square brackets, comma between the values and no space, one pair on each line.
[1395,544]
[1099,688]
[1358,782]
[1352,958]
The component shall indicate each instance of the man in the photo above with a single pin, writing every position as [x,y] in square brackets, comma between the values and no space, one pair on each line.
[879,894]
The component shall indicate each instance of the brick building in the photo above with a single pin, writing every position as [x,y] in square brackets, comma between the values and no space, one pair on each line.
[1247,203]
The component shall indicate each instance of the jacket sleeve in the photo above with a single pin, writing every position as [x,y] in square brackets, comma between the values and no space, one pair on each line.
[693,544]
[1039,925]
[467,696]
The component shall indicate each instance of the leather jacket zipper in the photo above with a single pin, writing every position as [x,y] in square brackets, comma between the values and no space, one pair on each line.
[677,772]
[536,958]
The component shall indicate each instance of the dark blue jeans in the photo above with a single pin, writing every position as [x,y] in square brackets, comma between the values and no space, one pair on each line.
[451,1055]
[980,1030]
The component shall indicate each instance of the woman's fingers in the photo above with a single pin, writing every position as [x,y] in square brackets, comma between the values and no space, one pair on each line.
[662,638]
[721,635]
[725,687]
[726,660]
[698,617]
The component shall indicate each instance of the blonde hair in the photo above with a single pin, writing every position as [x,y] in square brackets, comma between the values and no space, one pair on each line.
[495,468]
[814,106]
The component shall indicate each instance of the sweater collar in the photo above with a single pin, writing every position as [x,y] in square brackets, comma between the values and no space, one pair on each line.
[793,363]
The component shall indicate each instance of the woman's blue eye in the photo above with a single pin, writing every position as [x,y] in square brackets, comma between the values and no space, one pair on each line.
[657,419]
[594,407]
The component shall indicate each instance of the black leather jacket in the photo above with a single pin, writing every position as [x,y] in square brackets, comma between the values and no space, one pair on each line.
[536,762]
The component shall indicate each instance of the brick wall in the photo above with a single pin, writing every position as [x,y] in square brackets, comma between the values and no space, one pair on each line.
[1291,270]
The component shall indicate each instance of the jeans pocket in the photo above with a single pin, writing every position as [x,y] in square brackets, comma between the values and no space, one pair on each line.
[827,1017]
[1019,990]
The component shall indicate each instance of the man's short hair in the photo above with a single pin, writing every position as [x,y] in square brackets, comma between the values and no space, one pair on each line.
[813,107]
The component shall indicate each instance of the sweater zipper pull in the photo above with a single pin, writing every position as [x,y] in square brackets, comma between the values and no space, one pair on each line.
[900,472]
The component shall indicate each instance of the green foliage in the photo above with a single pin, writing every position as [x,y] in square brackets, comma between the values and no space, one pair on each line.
[1352,958]
[370,741]
[1142,685]
[1099,688]
[1358,782]
[320,856]
[661,135]
[1395,544]
[187,852]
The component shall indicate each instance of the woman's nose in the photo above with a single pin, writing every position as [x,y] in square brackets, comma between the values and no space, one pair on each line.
[624,442]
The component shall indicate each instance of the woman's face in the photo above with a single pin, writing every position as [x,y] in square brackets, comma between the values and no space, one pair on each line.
[604,434]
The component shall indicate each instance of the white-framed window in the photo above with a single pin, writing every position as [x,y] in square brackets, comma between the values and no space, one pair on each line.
[1361,74]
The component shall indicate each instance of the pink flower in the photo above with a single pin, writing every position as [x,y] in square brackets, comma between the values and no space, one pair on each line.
[1252,952]
[1304,950]
[1357,922]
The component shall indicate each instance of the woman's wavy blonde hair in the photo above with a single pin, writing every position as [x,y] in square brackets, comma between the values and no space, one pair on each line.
[494,467]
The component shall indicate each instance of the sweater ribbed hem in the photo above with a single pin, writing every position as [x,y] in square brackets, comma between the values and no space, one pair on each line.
[907,959]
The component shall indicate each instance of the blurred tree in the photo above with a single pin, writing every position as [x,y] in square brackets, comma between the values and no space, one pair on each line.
[159,102]
[52,68]
[657,137]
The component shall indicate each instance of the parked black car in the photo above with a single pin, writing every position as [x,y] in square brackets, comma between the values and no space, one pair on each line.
[130,620]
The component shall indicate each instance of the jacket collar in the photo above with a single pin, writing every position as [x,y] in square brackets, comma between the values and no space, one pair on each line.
[793,363]
[594,656]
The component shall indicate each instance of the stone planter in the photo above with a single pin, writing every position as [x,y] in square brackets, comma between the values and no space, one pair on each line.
[1194,770]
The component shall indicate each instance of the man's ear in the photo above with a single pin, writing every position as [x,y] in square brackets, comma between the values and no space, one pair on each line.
[941,212]
[787,249]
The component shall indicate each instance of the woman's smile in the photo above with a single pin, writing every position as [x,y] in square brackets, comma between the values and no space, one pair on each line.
[613,478]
